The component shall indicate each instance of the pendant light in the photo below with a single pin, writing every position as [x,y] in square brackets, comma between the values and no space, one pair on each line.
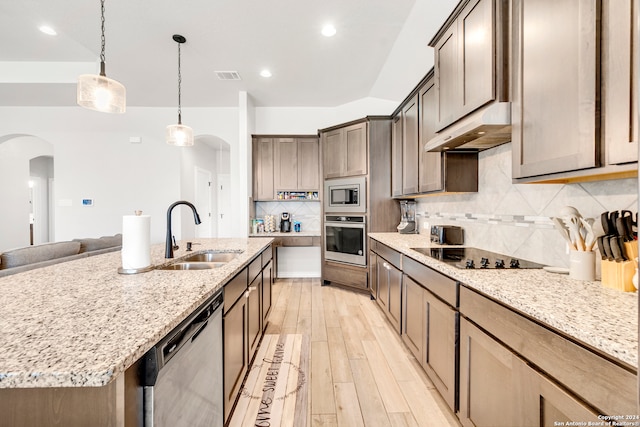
[99,92]
[179,134]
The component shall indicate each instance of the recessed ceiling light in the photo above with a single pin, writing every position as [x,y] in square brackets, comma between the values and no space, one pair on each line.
[48,30]
[328,30]
[265,73]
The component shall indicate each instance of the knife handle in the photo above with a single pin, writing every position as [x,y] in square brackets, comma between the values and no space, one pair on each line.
[616,250]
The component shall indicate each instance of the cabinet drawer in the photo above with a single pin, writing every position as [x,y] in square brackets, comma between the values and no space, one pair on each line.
[267,255]
[255,267]
[234,289]
[390,255]
[440,285]
[607,386]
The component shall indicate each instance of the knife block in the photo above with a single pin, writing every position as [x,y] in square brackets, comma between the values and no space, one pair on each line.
[631,249]
[618,275]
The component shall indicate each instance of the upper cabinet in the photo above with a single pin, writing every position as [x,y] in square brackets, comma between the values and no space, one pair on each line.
[470,65]
[288,163]
[262,155]
[416,171]
[296,163]
[574,113]
[345,151]
[619,52]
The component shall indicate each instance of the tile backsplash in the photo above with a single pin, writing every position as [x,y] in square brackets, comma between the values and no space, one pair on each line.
[514,219]
[308,213]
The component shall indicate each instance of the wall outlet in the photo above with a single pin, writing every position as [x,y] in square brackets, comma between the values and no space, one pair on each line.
[425,225]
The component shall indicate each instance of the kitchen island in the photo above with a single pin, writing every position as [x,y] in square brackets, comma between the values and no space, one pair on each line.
[80,324]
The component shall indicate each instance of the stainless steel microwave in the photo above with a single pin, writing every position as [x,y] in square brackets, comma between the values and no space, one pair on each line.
[345,195]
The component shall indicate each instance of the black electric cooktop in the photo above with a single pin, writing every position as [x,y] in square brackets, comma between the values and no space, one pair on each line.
[476,258]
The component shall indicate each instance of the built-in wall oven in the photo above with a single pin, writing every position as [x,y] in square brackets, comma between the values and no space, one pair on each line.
[345,195]
[345,239]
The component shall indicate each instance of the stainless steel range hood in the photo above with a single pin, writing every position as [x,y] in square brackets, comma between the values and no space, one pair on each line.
[486,128]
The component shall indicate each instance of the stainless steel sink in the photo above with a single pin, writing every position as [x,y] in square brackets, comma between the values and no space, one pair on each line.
[201,261]
[212,257]
[192,266]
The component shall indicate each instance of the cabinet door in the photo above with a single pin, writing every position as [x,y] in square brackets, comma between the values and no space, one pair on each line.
[430,169]
[488,380]
[267,282]
[383,284]
[355,137]
[373,274]
[333,153]
[555,82]
[446,77]
[619,82]
[410,147]
[545,403]
[413,316]
[396,156]
[308,164]
[254,321]
[285,162]
[440,353]
[263,169]
[477,54]
[395,297]
[236,350]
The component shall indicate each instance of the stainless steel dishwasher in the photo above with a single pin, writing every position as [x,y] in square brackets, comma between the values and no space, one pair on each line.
[182,374]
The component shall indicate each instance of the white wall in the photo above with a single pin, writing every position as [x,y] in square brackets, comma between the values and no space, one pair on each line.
[93,158]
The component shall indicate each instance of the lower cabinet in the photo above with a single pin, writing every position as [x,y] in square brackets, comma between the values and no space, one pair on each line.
[267,282]
[429,330]
[236,352]
[246,307]
[497,388]
[254,312]
[389,279]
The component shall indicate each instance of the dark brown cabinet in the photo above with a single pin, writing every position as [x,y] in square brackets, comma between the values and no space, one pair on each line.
[410,149]
[247,302]
[263,171]
[430,324]
[296,164]
[396,155]
[236,343]
[467,60]
[345,151]
[498,388]
[416,171]
[389,284]
[284,163]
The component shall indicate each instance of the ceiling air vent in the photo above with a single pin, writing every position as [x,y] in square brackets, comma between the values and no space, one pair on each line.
[228,75]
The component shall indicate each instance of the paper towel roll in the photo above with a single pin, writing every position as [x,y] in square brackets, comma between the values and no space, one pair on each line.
[136,247]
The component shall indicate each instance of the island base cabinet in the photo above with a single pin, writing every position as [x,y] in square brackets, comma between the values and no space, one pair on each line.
[267,282]
[236,361]
[254,312]
[497,388]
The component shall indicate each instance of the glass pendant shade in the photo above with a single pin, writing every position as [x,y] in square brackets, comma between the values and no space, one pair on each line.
[101,93]
[179,135]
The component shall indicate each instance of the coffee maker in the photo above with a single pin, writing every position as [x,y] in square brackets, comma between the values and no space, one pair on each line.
[408,224]
[285,222]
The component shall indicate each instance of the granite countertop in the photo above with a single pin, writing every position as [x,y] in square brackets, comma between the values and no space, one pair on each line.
[81,324]
[602,318]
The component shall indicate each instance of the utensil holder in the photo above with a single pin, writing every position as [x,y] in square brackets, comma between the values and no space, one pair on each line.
[618,275]
[582,265]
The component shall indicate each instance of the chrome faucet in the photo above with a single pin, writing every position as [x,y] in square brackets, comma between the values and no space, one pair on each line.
[168,249]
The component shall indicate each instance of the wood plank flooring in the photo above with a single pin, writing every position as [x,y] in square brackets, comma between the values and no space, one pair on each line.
[360,372]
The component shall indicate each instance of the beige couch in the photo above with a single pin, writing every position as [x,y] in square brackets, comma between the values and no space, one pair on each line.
[30,257]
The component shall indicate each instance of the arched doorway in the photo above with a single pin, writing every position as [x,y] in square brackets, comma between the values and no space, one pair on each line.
[26,174]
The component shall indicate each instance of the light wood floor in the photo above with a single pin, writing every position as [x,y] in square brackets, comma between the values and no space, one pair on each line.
[361,374]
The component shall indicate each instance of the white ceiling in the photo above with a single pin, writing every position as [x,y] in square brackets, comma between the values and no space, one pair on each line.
[222,35]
